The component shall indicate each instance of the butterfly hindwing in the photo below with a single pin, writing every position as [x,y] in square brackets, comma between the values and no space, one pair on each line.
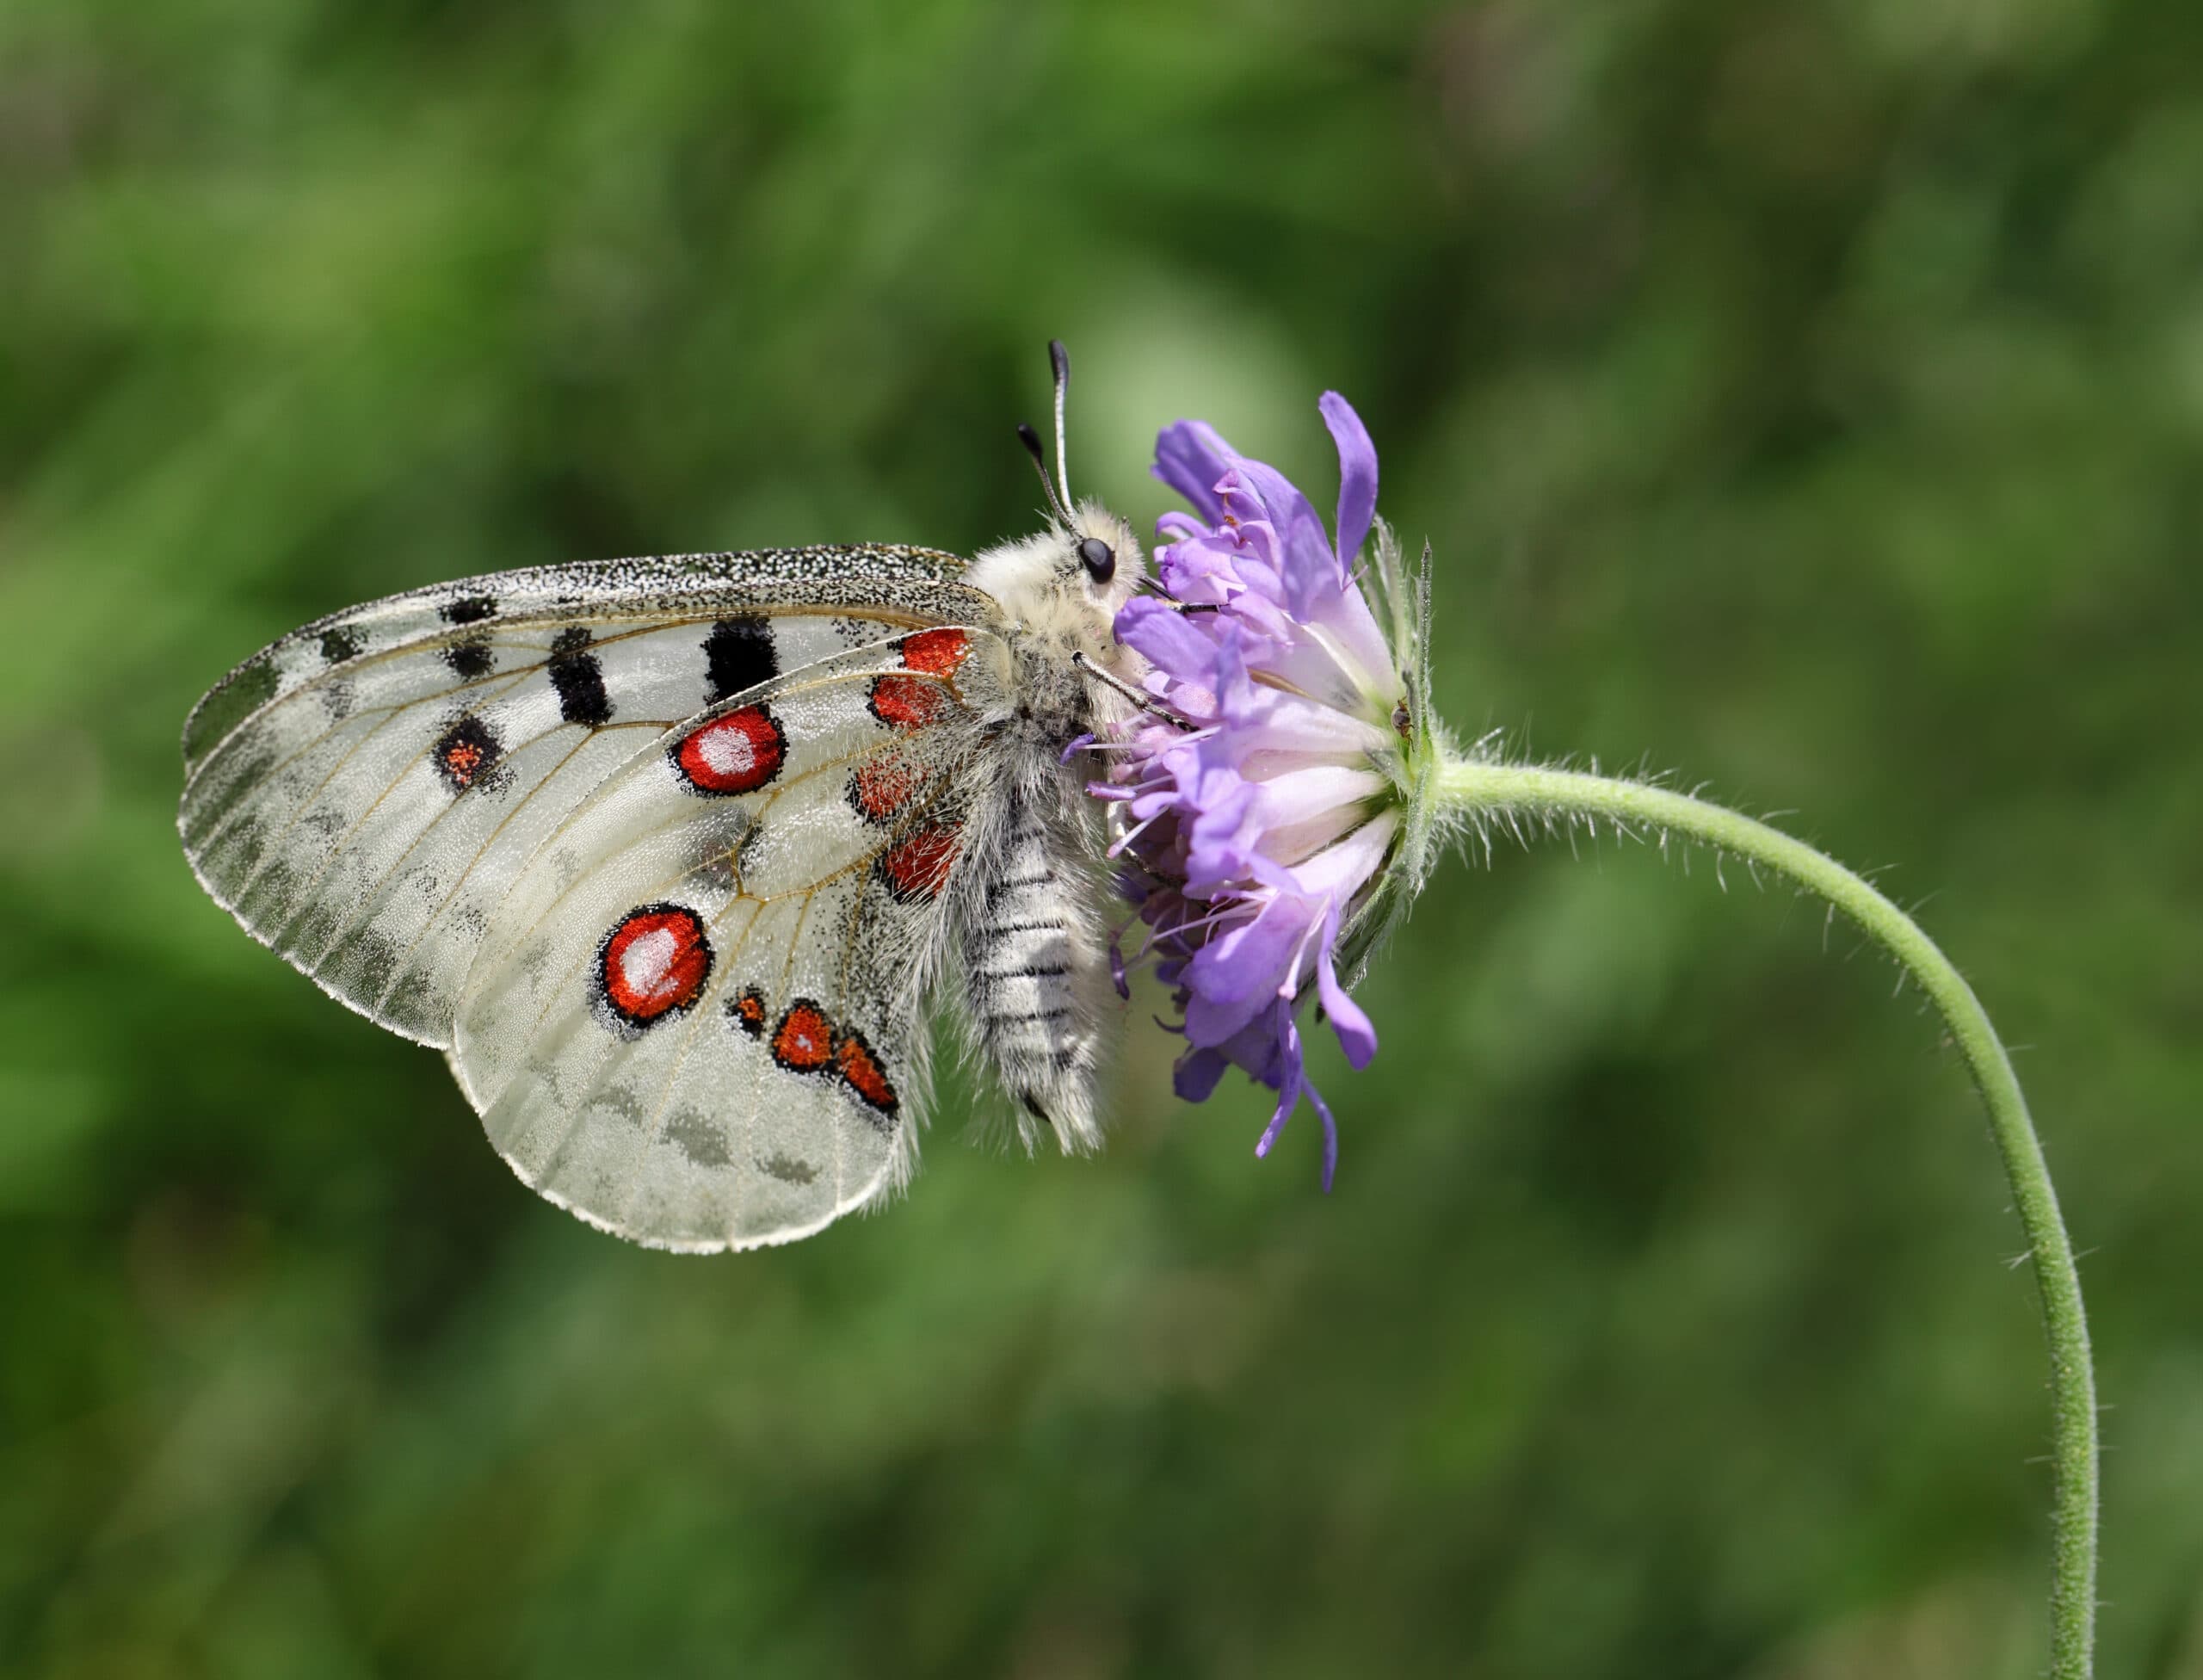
[362,793]
[695,1018]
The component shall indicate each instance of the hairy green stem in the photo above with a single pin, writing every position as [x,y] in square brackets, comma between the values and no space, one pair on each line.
[1485,792]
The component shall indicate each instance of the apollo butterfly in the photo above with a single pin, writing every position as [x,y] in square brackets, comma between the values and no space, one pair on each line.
[675,858]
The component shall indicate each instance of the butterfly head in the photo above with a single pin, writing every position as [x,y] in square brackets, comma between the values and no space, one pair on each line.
[1066,584]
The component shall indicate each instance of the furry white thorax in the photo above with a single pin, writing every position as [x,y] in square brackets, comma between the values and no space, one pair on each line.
[1046,592]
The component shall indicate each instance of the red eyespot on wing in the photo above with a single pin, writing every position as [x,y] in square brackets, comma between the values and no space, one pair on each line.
[738,753]
[653,963]
[908,703]
[917,867]
[860,1071]
[883,786]
[804,1041]
[747,1009]
[936,650]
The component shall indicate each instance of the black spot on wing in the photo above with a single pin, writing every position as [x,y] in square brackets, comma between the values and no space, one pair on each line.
[787,1169]
[470,659]
[578,676]
[339,643]
[701,1137]
[738,654]
[468,609]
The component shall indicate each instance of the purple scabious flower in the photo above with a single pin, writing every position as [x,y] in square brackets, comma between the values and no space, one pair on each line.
[1265,804]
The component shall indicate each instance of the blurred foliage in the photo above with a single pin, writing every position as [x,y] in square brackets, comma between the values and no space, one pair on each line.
[1808,397]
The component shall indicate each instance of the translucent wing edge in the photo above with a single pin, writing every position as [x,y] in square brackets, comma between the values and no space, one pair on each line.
[267,943]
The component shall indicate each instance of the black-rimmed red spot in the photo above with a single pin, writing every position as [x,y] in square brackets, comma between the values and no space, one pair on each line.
[738,753]
[860,1070]
[908,703]
[804,1041]
[912,702]
[939,652]
[466,752]
[746,1008]
[881,786]
[653,963]
[917,867]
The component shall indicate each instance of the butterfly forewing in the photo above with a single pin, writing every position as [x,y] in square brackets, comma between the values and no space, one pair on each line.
[695,1017]
[362,793]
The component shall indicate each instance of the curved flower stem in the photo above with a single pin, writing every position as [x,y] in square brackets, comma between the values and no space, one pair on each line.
[1482,792]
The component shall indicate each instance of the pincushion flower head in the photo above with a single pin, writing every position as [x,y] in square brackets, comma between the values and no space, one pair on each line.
[1276,803]
[1272,809]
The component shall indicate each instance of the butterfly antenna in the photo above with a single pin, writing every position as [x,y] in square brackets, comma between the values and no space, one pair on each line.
[1059,362]
[1033,447]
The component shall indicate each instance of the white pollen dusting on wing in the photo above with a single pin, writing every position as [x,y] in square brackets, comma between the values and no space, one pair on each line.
[647,960]
[727,750]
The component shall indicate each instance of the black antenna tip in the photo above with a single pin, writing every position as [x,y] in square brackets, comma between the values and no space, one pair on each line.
[1059,359]
[1031,439]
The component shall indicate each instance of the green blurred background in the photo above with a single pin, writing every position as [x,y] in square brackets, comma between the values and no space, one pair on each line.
[1806,398]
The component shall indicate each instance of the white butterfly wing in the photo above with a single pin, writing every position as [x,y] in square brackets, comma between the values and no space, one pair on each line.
[362,793]
[695,1017]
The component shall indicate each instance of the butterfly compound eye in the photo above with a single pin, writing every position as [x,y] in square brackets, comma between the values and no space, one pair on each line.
[1098,560]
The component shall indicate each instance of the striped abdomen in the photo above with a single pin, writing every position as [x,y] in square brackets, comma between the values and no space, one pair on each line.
[1033,967]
